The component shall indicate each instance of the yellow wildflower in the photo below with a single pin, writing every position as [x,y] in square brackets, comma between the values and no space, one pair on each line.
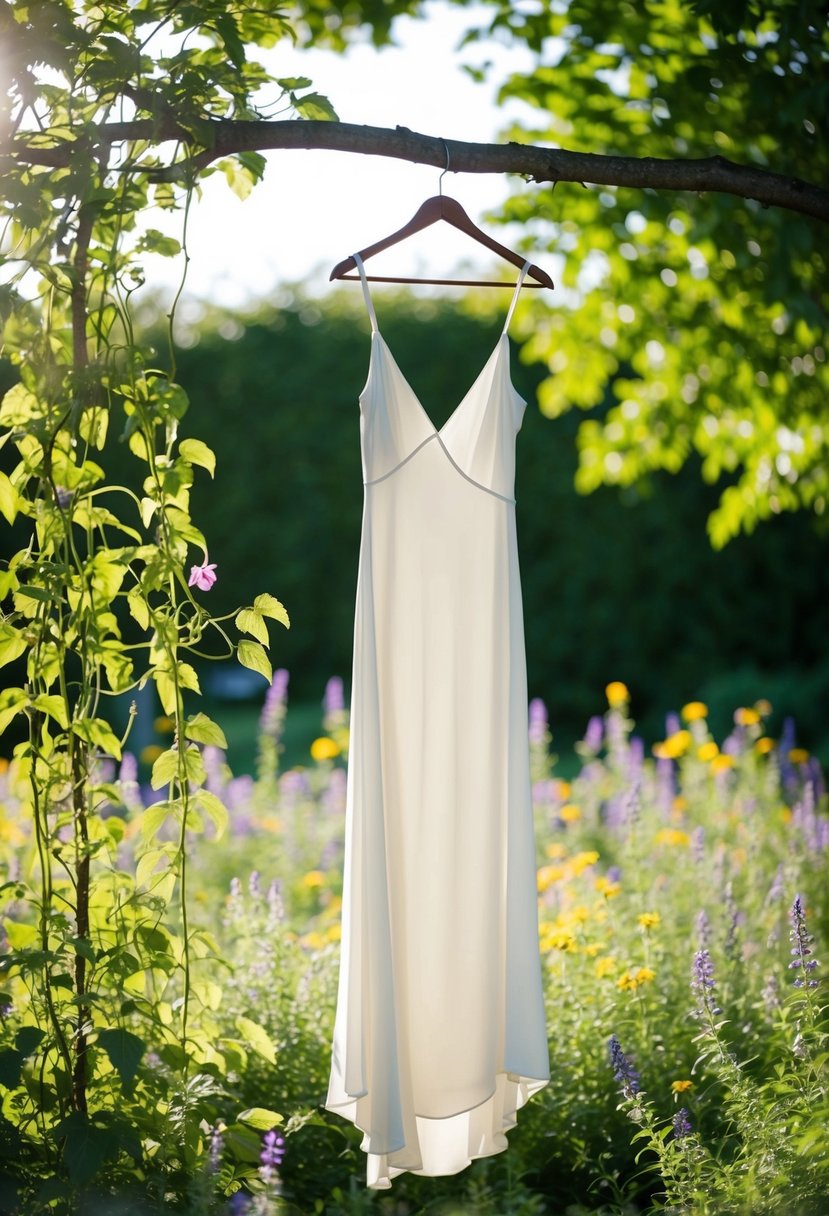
[672,836]
[558,939]
[606,887]
[721,764]
[592,948]
[12,833]
[764,745]
[629,981]
[798,755]
[648,920]
[313,940]
[739,856]
[679,1087]
[580,861]
[164,725]
[694,710]
[324,748]
[617,694]
[786,814]
[570,812]
[603,966]
[547,875]
[149,754]
[579,913]
[271,823]
[555,849]
[763,707]
[746,717]
[679,804]
[314,878]
[679,742]
[333,933]
[4,764]
[707,751]
[563,790]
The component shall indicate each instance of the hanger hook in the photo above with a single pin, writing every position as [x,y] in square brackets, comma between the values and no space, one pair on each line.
[446,170]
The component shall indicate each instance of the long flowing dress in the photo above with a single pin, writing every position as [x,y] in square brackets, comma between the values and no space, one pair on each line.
[439,1034]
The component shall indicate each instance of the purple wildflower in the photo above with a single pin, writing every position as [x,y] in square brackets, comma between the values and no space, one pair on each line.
[594,735]
[538,722]
[698,844]
[239,1203]
[776,888]
[665,784]
[623,1070]
[334,701]
[703,929]
[815,778]
[702,981]
[636,756]
[672,724]
[682,1124]
[271,1156]
[216,1145]
[334,794]
[253,884]
[276,907]
[273,708]
[731,946]
[771,993]
[801,941]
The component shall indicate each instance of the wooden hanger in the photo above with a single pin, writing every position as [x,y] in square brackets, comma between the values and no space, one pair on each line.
[441,207]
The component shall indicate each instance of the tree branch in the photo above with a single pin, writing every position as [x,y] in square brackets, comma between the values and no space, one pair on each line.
[223,137]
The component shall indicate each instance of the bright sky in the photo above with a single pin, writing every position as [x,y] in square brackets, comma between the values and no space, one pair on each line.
[314,208]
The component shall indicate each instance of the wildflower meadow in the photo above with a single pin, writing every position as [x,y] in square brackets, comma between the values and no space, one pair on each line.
[683,928]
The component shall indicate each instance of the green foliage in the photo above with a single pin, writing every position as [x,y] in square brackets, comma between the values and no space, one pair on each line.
[704,315]
[96,603]
[642,864]
[630,587]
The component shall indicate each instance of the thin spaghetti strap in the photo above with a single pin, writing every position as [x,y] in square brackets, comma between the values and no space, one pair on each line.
[366,292]
[521,278]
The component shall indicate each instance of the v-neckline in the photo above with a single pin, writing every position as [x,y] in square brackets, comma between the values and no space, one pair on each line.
[438,432]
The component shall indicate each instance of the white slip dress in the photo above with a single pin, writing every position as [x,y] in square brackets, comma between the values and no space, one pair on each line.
[439,1034]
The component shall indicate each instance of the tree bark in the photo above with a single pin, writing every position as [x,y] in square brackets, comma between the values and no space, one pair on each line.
[223,137]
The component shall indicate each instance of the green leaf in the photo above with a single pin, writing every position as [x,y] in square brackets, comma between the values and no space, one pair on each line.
[260,1117]
[154,816]
[28,1039]
[8,499]
[165,768]
[20,935]
[198,453]
[187,677]
[86,1146]
[11,1066]
[158,242]
[12,701]
[315,106]
[256,1037]
[12,643]
[248,620]
[202,729]
[166,688]
[53,705]
[215,809]
[270,606]
[125,1051]
[139,609]
[148,861]
[252,655]
[99,734]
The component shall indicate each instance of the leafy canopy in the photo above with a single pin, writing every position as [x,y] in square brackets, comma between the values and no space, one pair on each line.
[689,324]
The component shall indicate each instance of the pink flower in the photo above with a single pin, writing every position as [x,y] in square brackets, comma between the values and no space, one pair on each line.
[202,576]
